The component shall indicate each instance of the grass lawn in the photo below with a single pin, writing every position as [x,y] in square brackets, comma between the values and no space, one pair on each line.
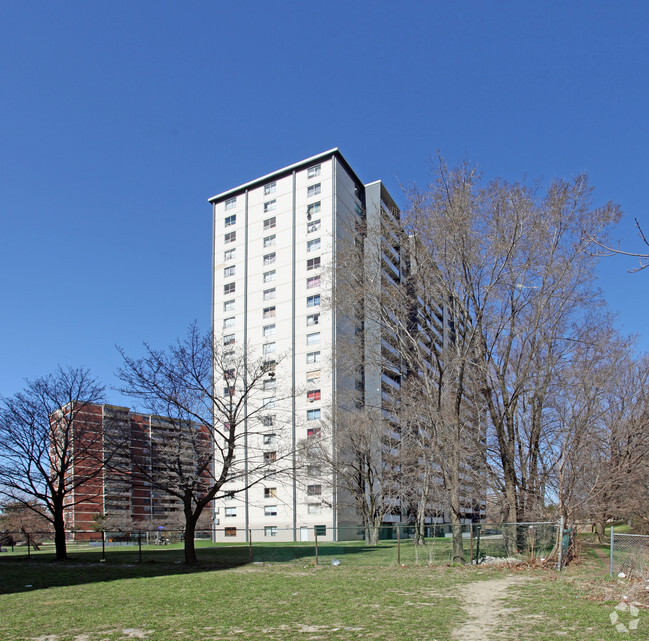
[84,600]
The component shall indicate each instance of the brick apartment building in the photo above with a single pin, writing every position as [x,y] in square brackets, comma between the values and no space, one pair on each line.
[119,490]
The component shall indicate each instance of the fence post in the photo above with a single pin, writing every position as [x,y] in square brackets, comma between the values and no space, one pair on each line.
[398,546]
[472,524]
[103,545]
[611,552]
[315,535]
[139,544]
[29,553]
[250,544]
[560,561]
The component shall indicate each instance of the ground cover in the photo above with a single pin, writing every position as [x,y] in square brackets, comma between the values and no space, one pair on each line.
[84,600]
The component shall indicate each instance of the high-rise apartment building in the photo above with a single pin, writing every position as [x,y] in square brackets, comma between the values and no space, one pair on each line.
[124,452]
[278,242]
[280,245]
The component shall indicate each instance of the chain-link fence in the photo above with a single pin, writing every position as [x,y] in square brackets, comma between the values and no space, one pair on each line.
[436,544]
[629,554]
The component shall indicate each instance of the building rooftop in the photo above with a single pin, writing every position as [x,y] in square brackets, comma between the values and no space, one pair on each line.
[284,171]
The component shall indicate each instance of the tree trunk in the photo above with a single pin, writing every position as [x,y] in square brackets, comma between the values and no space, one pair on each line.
[190,530]
[420,526]
[600,529]
[59,536]
[374,534]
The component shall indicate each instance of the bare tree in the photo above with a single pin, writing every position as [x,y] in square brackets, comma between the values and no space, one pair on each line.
[515,263]
[51,446]
[406,332]
[603,463]
[209,395]
[26,524]
[359,460]
[643,257]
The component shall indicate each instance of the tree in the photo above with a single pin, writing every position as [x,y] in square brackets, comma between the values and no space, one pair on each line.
[18,522]
[404,329]
[50,445]
[515,262]
[360,472]
[202,430]
[643,257]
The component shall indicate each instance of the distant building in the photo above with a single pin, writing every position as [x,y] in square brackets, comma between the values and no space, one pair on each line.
[118,492]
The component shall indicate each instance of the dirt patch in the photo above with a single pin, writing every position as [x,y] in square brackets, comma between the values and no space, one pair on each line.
[488,609]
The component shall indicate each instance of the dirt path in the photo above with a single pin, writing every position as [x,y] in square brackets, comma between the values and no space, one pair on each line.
[487,605]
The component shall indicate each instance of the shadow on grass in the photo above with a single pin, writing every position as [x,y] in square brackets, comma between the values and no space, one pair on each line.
[20,574]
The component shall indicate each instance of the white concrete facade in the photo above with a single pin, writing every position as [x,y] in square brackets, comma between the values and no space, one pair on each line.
[274,244]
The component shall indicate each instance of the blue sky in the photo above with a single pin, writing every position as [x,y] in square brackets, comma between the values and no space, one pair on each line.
[118,120]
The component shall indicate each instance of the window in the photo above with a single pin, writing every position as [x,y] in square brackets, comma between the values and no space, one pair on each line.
[230,203]
[228,306]
[230,220]
[313,395]
[313,339]
[269,402]
[230,531]
[313,282]
[229,254]
[314,508]
[313,357]
[313,415]
[313,376]
[269,439]
[268,421]
[269,366]
[270,206]
[229,339]
[270,188]
[270,510]
[314,490]
[229,391]
[228,322]
[313,208]
[270,530]
[231,236]
[229,374]
[270,492]
[313,190]
[270,457]
[313,263]
[269,259]
[313,319]
[269,241]
[312,226]
[269,330]
[312,172]
[229,288]
[270,223]
[313,470]
[269,348]
[269,277]
[313,245]
[269,383]
[230,511]
[228,272]
[311,301]
[269,312]
[269,294]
